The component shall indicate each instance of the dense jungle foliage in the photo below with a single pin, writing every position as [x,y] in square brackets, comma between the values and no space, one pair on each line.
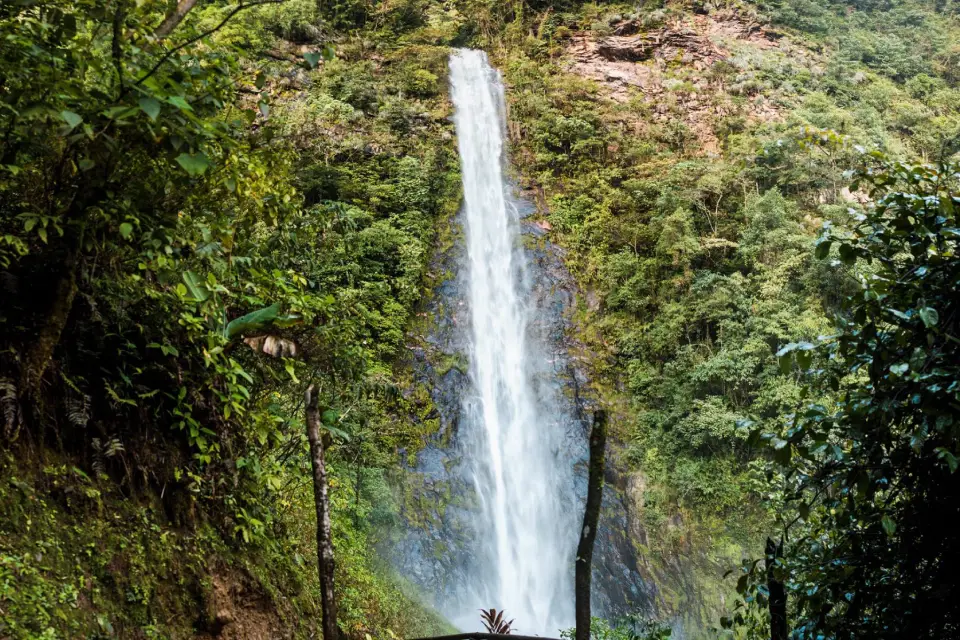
[197,223]
[170,204]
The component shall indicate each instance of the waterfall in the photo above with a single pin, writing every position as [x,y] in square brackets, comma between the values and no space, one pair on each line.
[526,517]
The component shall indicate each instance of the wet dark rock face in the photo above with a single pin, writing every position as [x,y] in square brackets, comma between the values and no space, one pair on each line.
[434,550]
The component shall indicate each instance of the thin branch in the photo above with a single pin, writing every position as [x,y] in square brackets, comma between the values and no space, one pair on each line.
[240,7]
[174,18]
[116,46]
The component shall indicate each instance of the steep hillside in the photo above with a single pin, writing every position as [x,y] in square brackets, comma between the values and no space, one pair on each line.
[155,475]
[173,203]
[674,151]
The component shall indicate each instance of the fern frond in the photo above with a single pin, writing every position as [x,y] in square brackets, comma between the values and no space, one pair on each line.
[78,410]
[112,448]
[10,407]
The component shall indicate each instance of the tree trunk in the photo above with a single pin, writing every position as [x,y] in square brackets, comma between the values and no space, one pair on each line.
[591,516]
[778,595]
[174,18]
[322,502]
[37,355]
[116,46]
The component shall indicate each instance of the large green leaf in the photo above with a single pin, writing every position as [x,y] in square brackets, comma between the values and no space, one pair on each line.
[198,290]
[889,526]
[179,103]
[288,320]
[252,321]
[150,106]
[72,119]
[929,316]
[193,163]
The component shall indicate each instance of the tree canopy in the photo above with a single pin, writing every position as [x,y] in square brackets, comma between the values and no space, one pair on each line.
[869,475]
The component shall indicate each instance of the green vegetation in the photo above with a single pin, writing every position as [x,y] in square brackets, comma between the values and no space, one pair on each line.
[868,479]
[195,226]
[165,211]
[633,627]
[690,201]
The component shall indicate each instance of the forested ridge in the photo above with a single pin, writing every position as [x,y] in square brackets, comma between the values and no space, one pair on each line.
[207,207]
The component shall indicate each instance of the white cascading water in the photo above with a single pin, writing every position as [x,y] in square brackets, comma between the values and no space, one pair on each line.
[526,523]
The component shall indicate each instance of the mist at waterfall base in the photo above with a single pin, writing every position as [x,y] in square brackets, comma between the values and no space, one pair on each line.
[527,516]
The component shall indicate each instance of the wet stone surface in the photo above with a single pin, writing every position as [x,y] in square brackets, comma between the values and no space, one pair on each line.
[434,550]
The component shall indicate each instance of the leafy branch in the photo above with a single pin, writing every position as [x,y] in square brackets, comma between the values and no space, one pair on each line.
[200,36]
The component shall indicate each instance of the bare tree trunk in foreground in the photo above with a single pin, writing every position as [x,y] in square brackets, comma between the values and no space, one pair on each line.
[322,502]
[778,595]
[591,516]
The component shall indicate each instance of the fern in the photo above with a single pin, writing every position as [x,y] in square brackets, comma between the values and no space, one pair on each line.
[10,407]
[78,410]
[103,450]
